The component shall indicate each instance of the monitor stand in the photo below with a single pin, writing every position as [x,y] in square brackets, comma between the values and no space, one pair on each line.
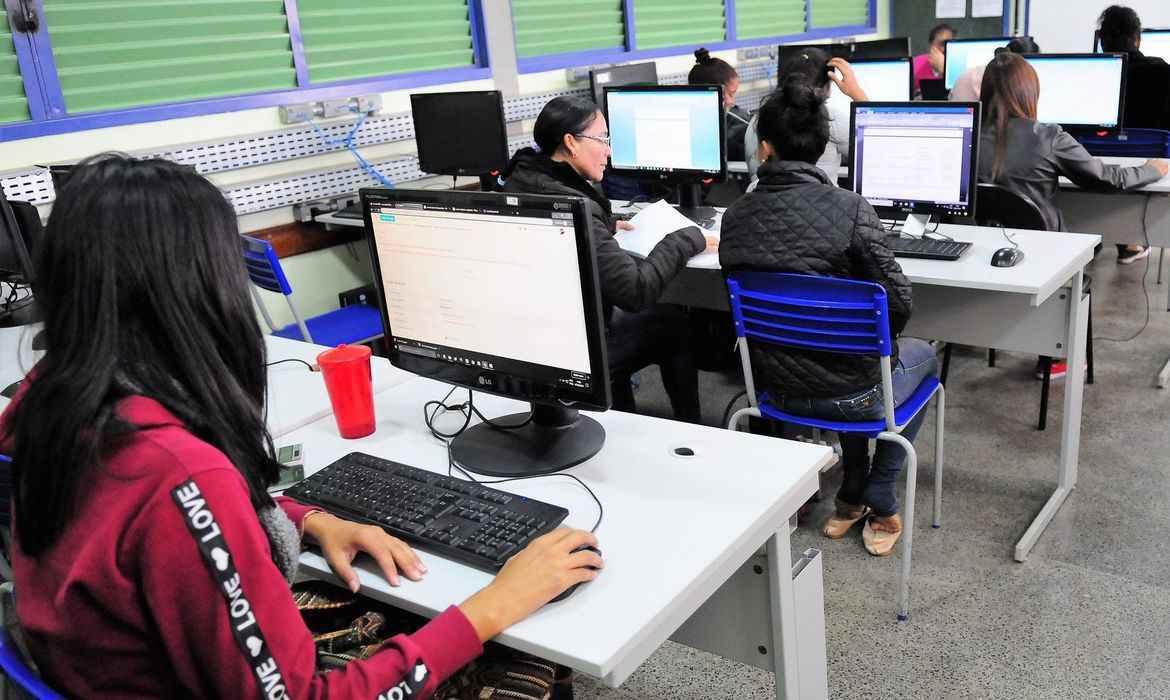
[915,225]
[556,438]
[690,205]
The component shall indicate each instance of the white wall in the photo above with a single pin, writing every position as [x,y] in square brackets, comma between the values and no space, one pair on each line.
[316,277]
[1064,26]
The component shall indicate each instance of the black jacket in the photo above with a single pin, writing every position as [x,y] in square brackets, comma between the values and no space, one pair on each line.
[1147,92]
[1037,154]
[797,221]
[627,282]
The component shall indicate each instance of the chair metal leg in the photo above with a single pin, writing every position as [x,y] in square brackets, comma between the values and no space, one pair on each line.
[940,415]
[946,363]
[1046,365]
[907,521]
[990,357]
[1089,345]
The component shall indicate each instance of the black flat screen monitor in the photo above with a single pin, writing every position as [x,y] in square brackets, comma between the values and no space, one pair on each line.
[894,47]
[917,158]
[885,79]
[460,133]
[616,76]
[1081,91]
[963,54]
[833,50]
[497,293]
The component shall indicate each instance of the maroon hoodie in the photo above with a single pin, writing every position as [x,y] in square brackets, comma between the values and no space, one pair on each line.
[163,585]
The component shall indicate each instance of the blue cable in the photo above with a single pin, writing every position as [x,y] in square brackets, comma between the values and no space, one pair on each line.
[347,144]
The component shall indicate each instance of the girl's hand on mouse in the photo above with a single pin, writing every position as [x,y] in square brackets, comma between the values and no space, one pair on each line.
[537,574]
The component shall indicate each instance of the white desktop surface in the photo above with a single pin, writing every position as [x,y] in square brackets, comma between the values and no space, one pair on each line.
[1161,186]
[675,528]
[16,355]
[297,396]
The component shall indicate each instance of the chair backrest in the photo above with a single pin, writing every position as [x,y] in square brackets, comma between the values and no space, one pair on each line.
[263,266]
[828,314]
[13,667]
[999,206]
[809,312]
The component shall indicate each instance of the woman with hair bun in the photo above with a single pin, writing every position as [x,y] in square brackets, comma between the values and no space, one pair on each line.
[797,221]
[709,70]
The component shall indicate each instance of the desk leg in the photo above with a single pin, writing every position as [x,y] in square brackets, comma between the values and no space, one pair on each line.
[1070,429]
[783,608]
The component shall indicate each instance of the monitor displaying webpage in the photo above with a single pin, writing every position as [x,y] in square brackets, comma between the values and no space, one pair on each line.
[484,287]
[665,130]
[964,55]
[1156,43]
[914,155]
[1079,90]
[884,81]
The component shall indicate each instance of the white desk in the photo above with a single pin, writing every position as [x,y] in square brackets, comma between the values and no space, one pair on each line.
[1137,216]
[1036,307]
[297,396]
[675,530]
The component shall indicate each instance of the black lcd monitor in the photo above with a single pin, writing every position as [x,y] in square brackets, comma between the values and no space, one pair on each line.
[832,50]
[916,158]
[460,133]
[963,54]
[497,293]
[616,76]
[675,134]
[20,227]
[1083,92]
[885,79]
[894,47]
[1155,42]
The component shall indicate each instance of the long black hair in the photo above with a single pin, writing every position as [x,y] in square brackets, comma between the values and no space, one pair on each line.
[709,70]
[141,283]
[567,114]
[794,121]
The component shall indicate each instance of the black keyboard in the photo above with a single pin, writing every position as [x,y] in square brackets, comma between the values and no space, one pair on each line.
[456,519]
[932,248]
[353,211]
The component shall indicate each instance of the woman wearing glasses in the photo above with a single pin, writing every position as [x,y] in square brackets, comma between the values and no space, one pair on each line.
[572,140]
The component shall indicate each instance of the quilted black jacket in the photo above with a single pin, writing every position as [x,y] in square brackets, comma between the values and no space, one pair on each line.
[627,282]
[797,221]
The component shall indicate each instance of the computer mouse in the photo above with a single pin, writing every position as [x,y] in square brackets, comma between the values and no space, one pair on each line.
[1007,257]
[573,589]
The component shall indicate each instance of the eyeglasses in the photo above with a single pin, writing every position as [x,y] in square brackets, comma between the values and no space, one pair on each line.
[598,139]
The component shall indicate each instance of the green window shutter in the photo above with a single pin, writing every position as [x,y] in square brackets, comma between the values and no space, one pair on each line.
[838,13]
[660,23]
[114,54]
[755,19]
[13,105]
[349,39]
[557,26]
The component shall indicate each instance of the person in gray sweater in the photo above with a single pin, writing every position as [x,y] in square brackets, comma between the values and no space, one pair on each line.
[1029,157]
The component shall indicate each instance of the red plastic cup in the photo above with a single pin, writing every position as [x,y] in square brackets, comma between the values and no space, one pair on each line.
[350,384]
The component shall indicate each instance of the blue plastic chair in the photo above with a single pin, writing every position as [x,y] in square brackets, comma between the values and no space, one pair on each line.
[842,316]
[19,678]
[357,323]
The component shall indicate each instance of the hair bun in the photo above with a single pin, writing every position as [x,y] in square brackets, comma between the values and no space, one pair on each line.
[702,56]
[799,93]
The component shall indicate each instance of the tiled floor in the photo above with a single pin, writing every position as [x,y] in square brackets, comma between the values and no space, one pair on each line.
[1087,616]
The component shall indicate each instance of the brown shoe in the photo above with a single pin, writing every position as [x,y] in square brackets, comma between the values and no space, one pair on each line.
[843,518]
[881,534]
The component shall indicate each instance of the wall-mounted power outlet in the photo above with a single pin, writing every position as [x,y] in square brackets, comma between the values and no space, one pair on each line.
[304,111]
[579,74]
[752,53]
[297,113]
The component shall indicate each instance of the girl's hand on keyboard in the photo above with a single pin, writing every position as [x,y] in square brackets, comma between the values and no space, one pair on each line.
[537,574]
[341,540]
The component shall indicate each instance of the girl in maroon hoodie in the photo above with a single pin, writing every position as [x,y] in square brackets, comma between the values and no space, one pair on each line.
[149,559]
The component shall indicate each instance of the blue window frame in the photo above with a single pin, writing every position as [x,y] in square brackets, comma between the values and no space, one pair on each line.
[312,35]
[637,50]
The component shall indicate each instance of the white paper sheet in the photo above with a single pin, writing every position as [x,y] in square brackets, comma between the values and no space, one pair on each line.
[986,8]
[950,8]
[653,223]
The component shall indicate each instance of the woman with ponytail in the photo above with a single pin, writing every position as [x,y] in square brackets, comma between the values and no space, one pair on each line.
[796,220]
[1029,157]
[709,70]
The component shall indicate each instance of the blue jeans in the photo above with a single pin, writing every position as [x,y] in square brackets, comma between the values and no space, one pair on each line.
[874,484]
